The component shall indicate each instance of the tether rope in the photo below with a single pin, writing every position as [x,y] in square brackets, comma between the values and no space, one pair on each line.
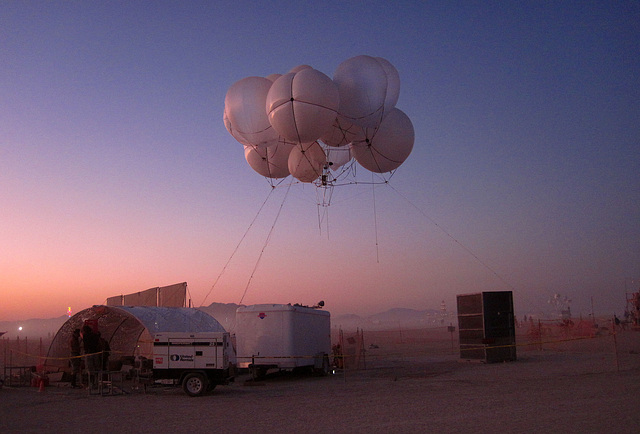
[266,242]
[465,248]
[375,218]
[237,247]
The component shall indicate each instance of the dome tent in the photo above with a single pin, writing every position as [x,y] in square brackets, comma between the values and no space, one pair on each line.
[129,329]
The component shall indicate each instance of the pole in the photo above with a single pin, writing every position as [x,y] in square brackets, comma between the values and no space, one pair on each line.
[341,355]
[364,356]
[539,335]
[615,344]
[453,349]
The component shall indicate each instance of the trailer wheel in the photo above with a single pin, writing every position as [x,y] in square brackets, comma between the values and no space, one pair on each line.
[194,384]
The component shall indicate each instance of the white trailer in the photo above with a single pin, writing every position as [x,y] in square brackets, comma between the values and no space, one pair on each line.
[282,336]
[197,361]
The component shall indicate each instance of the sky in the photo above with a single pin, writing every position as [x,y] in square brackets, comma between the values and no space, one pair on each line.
[117,173]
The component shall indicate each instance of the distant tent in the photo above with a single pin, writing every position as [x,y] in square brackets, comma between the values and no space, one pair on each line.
[129,329]
[166,296]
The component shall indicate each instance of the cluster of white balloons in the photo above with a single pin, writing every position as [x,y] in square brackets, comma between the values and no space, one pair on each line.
[305,124]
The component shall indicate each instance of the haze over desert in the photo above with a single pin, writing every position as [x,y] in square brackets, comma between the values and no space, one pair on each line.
[405,380]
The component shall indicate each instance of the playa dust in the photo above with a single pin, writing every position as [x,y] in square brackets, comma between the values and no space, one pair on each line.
[406,381]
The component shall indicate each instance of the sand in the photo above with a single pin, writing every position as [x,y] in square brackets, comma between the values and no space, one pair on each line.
[414,381]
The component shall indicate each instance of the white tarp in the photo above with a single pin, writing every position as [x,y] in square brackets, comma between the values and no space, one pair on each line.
[167,296]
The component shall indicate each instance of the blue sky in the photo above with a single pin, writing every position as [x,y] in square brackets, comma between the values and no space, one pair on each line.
[117,173]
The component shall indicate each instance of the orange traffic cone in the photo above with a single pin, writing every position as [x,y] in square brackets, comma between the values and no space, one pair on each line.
[41,389]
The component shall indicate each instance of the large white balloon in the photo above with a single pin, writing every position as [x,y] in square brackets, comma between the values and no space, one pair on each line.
[393,84]
[302,106]
[306,161]
[299,68]
[362,85]
[271,162]
[384,149]
[244,105]
[341,133]
[231,129]
[273,77]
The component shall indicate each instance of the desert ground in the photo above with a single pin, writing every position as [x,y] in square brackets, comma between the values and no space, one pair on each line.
[403,381]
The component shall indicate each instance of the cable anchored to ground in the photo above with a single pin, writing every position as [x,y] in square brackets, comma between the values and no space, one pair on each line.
[465,248]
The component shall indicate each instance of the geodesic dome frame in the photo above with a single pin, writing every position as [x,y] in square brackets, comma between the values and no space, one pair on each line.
[129,329]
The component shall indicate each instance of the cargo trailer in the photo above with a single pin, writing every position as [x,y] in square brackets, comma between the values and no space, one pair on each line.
[283,337]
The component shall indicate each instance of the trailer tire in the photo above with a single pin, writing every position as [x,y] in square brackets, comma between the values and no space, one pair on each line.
[194,384]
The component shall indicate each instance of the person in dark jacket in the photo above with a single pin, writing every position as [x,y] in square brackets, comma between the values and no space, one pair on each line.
[105,349]
[92,353]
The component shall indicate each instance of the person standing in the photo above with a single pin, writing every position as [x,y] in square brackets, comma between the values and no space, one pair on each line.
[91,344]
[105,349]
[74,349]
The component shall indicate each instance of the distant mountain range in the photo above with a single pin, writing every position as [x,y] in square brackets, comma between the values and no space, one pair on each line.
[225,313]
[395,318]
[392,318]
